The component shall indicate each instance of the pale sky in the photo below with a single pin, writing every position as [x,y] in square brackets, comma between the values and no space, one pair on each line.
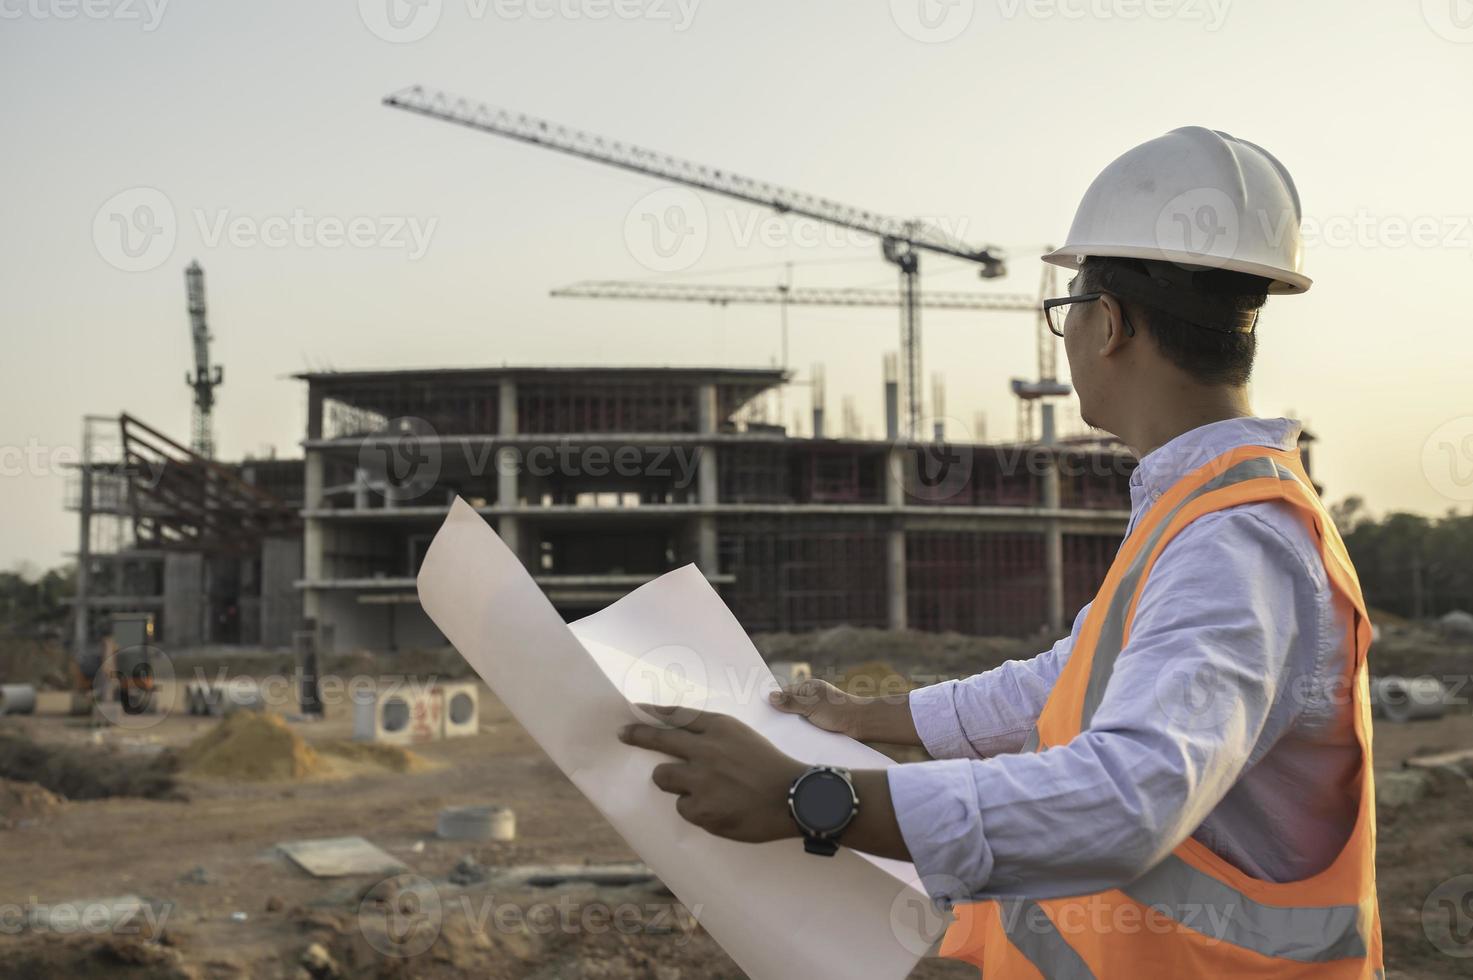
[236,122]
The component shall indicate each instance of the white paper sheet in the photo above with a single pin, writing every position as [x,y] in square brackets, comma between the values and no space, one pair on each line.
[778,912]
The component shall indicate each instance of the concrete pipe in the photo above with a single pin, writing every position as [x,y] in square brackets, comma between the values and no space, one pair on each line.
[17,699]
[496,823]
[1403,699]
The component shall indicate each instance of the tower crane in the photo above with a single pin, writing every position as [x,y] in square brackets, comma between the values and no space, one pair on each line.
[901,240]
[785,296]
[205,379]
[722,295]
[1048,385]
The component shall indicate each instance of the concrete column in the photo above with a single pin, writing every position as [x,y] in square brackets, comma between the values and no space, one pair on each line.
[507,494]
[708,484]
[1053,534]
[313,532]
[80,610]
[895,467]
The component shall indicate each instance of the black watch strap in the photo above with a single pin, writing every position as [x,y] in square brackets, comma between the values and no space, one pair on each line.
[819,845]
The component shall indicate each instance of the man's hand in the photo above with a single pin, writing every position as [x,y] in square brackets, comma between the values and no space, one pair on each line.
[728,780]
[732,782]
[822,703]
[878,719]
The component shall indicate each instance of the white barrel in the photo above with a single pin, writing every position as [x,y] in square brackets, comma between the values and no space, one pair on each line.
[1403,699]
[17,699]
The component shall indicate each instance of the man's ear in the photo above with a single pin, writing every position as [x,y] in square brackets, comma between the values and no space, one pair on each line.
[1119,331]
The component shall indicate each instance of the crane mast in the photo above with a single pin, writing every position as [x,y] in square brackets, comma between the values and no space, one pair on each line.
[901,240]
[205,379]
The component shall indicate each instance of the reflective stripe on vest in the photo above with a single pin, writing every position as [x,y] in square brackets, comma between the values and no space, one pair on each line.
[1034,934]
[1203,903]
[1199,901]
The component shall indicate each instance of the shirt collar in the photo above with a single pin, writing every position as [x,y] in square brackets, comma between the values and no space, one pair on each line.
[1168,463]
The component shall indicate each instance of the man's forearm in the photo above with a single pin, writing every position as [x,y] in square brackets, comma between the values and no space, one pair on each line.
[875,829]
[886,719]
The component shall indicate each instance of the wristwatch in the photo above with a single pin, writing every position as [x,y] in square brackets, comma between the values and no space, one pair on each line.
[823,803]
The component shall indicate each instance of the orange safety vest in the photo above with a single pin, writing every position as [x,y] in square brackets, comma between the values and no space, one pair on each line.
[1194,914]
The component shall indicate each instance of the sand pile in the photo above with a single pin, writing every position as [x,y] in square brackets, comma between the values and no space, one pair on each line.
[25,801]
[257,746]
[874,679]
[254,746]
[377,755]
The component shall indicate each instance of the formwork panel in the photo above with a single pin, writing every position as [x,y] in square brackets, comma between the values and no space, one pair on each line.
[614,406]
[804,573]
[1087,559]
[1095,481]
[982,583]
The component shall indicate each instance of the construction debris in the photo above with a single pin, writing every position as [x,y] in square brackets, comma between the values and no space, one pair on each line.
[336,857]
[1461,758]
[608,875]
[469,871]
[1396,789]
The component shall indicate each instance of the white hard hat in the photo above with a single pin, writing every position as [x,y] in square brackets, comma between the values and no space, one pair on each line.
[1196,197]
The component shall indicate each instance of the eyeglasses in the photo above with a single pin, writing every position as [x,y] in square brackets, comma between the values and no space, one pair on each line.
[1056,311]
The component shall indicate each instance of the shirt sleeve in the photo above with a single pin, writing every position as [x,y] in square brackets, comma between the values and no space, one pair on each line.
[989,713]
[1185,708]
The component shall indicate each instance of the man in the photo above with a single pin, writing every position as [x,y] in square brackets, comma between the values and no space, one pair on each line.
[1181,787]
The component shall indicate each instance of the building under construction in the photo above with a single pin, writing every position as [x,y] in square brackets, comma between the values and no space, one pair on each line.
[599,479]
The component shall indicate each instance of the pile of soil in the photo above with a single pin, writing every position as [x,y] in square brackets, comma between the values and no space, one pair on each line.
[391,757]
[25,801]
[86,774]
[253,746]
[922,658]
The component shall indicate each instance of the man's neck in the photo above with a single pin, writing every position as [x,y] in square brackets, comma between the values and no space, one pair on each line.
[1156,425]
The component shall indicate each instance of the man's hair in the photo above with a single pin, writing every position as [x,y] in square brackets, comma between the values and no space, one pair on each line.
[1210,356]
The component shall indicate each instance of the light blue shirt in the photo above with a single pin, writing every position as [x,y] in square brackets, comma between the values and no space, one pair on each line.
[1227,719]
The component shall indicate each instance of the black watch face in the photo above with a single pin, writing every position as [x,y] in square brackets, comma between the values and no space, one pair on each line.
[823,801]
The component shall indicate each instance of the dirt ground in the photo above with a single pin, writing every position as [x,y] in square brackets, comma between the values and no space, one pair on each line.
[226,904]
